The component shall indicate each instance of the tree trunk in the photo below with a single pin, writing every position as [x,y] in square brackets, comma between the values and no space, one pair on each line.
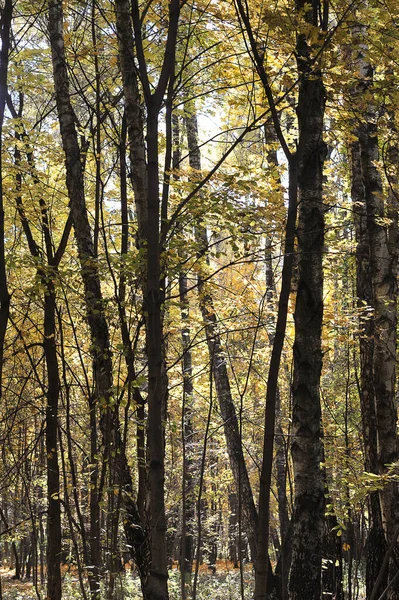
[375,546]
[272,393]
[53,388]
[134,118]
[146,188]
[6,18]
[187,432]
[383,275]
[308,517]
[53,474]
[222,382]
[157,382]
[102,360]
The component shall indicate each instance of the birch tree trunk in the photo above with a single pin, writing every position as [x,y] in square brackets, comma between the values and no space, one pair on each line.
[375,546]
[383,239]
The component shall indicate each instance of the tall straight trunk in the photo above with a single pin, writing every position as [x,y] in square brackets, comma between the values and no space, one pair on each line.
[53,473]
[188,508]
[137,155]
[134,118]
[272,383]
[6,18]
[306,449]
[146,189]
[375,546]
[94,505]
[187,431]
[126,338]
[100,344]
[157,382]
[53,387]
[383,258]
[94,493]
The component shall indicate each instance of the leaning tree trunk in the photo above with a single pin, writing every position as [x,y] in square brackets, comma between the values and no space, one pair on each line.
[308,517]
[219,368]
[109,421]
[222,382]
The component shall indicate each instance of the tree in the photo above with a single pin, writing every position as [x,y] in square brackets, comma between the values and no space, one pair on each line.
[5,34]
[377,269]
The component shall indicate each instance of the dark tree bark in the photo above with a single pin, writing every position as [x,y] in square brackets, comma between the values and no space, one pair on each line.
[308,517]
[147,199]
[157,380]
[134,117]
[53,475]
[128,346]
[5,27]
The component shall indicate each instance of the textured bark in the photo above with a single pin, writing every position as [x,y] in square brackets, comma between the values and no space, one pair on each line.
[128,348]
[146,188]
[308,517]
[157,384]
[375,546]
[383,241]
[134,117]
[53,474]
[100,347]
[6,18]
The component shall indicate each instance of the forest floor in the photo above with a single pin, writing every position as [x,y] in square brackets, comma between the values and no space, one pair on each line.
[225,584]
